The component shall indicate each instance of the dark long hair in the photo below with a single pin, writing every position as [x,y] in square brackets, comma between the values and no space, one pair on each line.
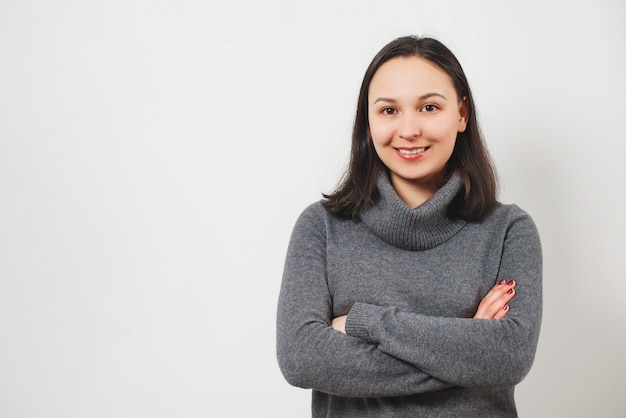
[470,158]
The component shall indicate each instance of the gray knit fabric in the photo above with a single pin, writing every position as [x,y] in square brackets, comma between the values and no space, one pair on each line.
[410,280]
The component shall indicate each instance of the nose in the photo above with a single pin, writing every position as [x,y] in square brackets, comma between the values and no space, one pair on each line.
[410,127]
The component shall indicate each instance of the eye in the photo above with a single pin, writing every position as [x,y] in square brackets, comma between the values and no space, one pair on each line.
[430,107]
[388,111]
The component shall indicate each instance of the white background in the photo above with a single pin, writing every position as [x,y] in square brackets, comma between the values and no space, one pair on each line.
[154,156]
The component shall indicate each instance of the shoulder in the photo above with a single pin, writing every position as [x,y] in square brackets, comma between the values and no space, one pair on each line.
[506,220]
[314,213]
[515,222]
[312,229]
[313,220]
[508,214]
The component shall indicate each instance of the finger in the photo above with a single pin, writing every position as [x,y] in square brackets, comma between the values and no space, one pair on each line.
[339,324]
[494,308]
[502,313]
[498,297]
[499,290]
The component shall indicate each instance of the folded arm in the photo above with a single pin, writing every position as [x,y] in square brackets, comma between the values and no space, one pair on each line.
[495,305]
[467,351]
[311,353]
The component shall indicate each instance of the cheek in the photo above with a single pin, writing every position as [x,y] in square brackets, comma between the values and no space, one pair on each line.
[381,145]
[441,132]
[378,147]
[381,134]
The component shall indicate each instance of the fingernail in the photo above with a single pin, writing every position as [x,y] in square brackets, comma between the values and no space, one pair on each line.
[505,307]
[501,282]
[511,282]
[510,291]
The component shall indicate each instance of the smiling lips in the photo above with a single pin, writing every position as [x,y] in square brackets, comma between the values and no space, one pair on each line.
[411,153]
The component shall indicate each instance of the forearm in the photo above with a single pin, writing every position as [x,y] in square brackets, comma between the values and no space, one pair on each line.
[462,351]
[320,358]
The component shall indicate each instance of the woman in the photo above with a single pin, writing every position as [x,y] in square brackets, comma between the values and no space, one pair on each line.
[410,291]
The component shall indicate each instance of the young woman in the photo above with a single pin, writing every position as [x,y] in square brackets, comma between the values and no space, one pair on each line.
[410,291]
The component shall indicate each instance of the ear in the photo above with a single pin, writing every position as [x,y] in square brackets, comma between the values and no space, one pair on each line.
[464,114]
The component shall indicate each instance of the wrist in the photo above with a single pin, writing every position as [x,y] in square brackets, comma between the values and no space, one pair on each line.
[358,320]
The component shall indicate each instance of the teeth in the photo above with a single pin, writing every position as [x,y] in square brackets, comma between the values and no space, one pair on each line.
[412,151]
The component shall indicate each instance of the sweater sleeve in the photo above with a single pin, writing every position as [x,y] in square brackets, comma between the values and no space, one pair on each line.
[466,351]
[313,355]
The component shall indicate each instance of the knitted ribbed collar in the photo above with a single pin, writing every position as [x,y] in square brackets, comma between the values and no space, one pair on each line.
[417,229]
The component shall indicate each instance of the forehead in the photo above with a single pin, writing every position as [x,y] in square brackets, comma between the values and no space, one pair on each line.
[410,75]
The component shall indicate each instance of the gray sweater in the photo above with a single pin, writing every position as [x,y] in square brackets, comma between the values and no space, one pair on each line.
[410,281]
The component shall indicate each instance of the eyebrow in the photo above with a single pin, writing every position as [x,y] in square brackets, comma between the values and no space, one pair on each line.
[422,97]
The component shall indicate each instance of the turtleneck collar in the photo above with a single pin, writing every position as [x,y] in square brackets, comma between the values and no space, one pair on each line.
[422,228]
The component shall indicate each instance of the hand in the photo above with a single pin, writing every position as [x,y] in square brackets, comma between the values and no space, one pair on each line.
[496,304]
[339,324]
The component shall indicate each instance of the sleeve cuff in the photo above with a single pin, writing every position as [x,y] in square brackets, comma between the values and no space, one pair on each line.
[358,320]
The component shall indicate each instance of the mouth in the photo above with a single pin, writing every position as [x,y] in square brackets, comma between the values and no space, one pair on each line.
[412,151]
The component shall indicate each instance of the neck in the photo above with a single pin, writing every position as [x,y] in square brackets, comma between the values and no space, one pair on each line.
[414,193]
[417,228]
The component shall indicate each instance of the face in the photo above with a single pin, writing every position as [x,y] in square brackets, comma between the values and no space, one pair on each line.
[414,117]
